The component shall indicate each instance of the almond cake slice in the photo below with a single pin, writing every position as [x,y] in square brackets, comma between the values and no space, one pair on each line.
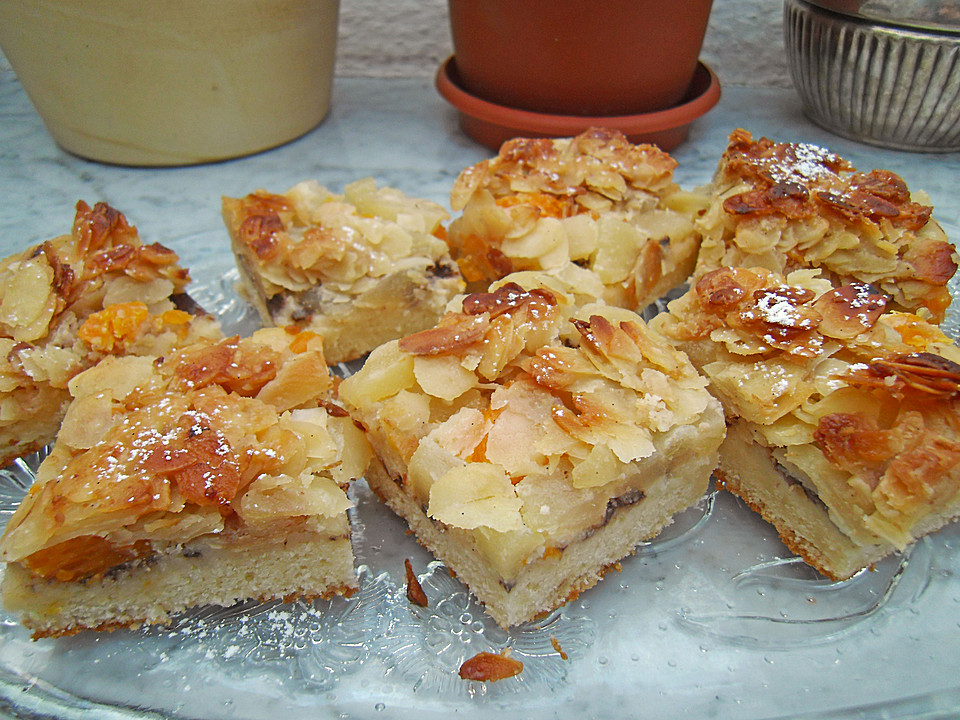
[358,269]
[843,416]
[789,206]
[594,207]
[73,300]
[210,476]
[531,442]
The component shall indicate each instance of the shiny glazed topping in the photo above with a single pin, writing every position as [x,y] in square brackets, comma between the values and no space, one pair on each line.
[793,206]
[783,317]
[798,179]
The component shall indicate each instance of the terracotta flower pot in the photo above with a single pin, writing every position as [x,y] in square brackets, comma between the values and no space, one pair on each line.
[579,57]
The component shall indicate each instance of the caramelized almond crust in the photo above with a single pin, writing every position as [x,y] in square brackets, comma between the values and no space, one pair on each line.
[594,207]
[70,301]
[515,432]
[358,269]
[788,206]
[856,404]
[227,445]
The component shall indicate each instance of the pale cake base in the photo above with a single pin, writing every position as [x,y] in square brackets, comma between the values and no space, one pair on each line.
[551,581]
[299,565]
[748,470]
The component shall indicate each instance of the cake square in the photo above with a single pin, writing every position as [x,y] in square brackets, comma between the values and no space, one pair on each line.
[531,441]
[358,269]
[595,209]
[72,300]
[842,414]
[789,206]
[213,475]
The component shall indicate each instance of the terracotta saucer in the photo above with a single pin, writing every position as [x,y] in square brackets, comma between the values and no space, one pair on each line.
[491,124]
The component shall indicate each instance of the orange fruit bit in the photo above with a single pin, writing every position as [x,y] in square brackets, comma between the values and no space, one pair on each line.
[300,341]
[114,325]
[548,205]
[82,557]
[553,552]
[175,317]
[918,333]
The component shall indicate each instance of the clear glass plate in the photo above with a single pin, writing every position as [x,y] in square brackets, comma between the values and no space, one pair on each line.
[713,618]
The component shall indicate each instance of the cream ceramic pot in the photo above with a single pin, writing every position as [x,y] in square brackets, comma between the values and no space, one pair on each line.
[173,82]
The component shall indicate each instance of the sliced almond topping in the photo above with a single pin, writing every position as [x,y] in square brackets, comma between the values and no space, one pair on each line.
[112,259]
[933,262]
[782,318]
[453,332]
[259,232]
[93,226]
[198,463]
[505,298]
[719,289]
[220,364]
[64,279]
[849,310]
[854,442]
[923,372]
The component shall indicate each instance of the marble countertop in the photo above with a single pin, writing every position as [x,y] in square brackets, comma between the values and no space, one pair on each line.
[401,132]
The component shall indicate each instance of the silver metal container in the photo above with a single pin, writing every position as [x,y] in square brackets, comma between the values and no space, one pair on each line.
[942,15]
[866,75]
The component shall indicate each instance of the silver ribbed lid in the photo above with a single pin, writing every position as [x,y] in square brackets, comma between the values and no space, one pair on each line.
[932,15]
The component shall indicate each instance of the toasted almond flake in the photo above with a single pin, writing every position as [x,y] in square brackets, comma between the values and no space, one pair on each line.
[490,667]
[415,593]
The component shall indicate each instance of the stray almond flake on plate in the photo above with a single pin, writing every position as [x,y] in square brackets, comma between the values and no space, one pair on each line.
[490,667]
